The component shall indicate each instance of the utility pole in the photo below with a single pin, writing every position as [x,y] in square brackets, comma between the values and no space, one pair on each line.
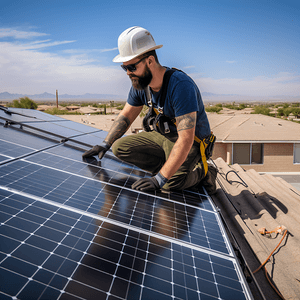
[56,98]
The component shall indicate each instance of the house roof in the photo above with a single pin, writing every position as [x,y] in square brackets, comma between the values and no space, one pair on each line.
[253,128]
[250,201]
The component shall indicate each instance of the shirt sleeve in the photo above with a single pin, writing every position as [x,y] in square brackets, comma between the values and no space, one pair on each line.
[135,97]
[184,98]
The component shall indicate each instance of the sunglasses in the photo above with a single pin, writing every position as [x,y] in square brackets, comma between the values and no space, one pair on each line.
[132,67]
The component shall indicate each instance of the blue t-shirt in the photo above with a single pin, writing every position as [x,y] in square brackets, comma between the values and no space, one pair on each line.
[183,97]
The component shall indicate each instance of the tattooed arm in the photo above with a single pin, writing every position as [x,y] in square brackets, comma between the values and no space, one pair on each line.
[122,122]
[186,131]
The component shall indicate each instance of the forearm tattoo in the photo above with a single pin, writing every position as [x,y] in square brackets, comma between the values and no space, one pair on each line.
[118,128]
[187,121]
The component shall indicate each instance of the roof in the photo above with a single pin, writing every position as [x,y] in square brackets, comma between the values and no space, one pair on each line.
[73,228]
[253,128]
[250,201]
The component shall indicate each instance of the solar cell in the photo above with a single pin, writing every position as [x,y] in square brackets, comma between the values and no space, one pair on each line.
[73,229]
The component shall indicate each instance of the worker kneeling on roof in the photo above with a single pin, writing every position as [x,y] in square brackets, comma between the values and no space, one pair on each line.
[177,132]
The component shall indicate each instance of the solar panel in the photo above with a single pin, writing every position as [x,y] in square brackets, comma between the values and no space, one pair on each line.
[73,229]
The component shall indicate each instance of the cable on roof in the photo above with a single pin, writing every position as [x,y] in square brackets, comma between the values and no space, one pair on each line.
[278,230]
[242,181]
[223,188]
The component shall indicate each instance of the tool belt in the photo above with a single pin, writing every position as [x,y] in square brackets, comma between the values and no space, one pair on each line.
[155,120]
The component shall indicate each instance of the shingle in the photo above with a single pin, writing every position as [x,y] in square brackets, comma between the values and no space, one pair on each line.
[249,201]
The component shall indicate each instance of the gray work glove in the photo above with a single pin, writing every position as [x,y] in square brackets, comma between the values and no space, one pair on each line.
[98,149]
[150,184]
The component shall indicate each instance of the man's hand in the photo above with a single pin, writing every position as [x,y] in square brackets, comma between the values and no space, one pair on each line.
[150,184]
[98,149]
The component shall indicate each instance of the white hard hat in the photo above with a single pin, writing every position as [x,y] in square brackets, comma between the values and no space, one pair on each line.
[133,42]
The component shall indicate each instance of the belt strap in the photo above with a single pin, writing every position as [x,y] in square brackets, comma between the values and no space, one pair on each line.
[202,143]
[203,146]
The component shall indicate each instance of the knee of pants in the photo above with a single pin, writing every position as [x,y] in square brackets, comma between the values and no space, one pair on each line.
[176,183]
[116,148]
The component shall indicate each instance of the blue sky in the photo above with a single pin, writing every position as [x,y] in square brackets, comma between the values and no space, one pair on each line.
[246,48]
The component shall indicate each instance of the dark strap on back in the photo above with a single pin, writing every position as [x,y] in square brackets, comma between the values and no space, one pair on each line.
[165,84]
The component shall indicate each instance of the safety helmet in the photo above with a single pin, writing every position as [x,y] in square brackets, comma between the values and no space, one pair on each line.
[133,42]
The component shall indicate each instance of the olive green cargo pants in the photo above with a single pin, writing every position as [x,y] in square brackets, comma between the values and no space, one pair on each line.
[150,150]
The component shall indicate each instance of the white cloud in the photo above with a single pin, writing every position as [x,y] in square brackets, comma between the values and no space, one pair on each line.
[25,69]
[261,86]
[108,50]
[44,44]
[188,67]
[88,51]
[17,34]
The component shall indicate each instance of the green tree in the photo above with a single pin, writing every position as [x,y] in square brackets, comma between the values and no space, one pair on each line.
[286,105]
[287,111]
[280,111]
[296,111]
[261,109]
[242,106]
[24,103]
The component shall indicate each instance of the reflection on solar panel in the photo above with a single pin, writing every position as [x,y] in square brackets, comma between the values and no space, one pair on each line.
[73,229]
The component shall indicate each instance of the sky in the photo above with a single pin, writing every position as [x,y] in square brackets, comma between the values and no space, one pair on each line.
[229,47]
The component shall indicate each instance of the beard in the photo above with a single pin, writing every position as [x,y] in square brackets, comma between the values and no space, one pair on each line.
[141,82]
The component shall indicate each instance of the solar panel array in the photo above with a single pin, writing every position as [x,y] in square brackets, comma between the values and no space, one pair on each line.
[74,229]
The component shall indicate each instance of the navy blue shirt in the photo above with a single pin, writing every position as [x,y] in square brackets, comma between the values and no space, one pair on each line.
[183,97]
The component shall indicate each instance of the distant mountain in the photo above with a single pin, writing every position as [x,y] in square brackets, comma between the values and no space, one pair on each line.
[48,96]
[207,94]
[207,97]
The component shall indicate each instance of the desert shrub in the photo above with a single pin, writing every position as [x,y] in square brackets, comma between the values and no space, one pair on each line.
[229,106]
[213,109]
[236,107]
[56,111]
[120,107]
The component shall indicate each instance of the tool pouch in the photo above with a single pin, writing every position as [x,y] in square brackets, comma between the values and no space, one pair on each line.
[209,144]
[149,119]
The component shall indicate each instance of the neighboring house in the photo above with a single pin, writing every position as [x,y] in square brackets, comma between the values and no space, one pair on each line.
[262,143]
[72,107]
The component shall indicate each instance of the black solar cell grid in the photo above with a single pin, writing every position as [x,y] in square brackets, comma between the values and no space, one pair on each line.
[50,250]
[73,229]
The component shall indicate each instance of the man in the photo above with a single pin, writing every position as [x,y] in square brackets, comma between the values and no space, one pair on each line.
[174,159]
